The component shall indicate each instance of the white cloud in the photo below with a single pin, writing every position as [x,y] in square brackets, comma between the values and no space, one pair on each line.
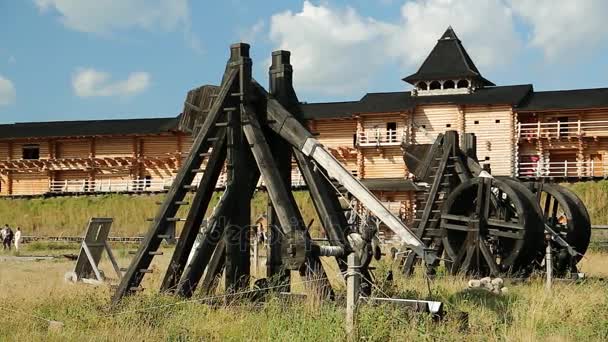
[332,49]
[87,82]
[105,16]
[339,51]
[251,34]
[486,29]
[564,29]
[8,94]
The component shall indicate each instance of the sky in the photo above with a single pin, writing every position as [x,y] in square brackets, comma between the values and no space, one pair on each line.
[105,59]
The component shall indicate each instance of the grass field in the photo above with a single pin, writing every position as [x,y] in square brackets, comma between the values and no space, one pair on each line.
[571,312]
[67,216]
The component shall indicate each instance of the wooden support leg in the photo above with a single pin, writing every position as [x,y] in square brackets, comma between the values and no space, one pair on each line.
[282,198]
[195,217]
[214,269]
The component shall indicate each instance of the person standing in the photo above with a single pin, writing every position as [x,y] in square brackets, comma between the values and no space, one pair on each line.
[17,239]
[3,235]
[8,240]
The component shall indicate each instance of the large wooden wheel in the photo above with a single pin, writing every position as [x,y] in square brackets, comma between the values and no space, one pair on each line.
[565,213]
[491,227]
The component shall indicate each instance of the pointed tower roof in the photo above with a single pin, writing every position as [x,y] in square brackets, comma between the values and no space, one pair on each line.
[447,60]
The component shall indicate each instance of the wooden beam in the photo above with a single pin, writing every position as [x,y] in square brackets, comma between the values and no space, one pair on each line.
[282,198]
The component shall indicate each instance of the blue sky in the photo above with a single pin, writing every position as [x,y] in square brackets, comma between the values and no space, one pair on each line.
[76,59]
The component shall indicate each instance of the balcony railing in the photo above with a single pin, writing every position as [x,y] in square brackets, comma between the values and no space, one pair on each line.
[563,129]
[377,138]
[563,169]
[139,185]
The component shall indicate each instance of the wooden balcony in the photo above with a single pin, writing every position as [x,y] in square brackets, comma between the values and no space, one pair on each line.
[379,138]
[141,185]
[563,169]
[565,129]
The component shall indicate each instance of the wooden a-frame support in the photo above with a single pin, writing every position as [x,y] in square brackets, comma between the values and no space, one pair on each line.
[235,133]
[93,245]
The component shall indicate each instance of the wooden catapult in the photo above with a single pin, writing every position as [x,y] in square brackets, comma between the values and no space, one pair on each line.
[255,133]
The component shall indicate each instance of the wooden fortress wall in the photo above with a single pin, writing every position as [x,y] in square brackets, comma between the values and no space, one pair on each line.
[88,158]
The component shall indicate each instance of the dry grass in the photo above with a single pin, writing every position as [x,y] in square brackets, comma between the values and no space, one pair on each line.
[571,312]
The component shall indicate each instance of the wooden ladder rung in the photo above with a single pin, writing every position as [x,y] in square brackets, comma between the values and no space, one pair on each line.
[198,170]
[205,154]
[145,270]
[136,289]
[222,124]
[190,187]
[230,109]
[181,203]
[155,253]
[175,219]
[163,236]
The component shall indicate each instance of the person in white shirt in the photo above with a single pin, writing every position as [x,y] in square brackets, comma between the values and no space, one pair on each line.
[17,238]
[4,235]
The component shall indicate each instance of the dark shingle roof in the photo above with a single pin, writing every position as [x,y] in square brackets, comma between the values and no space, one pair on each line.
[394,102]
[87,128]
[328,110]
[566,99]
[447,60]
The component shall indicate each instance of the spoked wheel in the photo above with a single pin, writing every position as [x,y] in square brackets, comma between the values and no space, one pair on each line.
[565,213]
[490,228]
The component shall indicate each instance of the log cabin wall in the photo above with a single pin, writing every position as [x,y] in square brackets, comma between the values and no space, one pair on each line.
[494,127]
[433,119]
[567,143]
[77,161]
[338,135]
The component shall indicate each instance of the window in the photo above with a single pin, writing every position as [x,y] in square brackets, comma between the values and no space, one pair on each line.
[31,151]
[422,86]
[423,126]
[462,84]
[448,125]
[487,158]
[435,85]
[497,121]
[449,84]
[148,181]
[391,131]
[355,140]
[476,122]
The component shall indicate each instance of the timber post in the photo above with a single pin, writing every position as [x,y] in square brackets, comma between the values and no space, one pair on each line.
[353,283]
[280,86]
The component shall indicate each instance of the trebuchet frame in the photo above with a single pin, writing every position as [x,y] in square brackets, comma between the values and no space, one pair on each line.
[254,133]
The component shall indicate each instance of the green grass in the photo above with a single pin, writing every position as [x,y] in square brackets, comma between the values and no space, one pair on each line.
[68,216]
[595,196]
